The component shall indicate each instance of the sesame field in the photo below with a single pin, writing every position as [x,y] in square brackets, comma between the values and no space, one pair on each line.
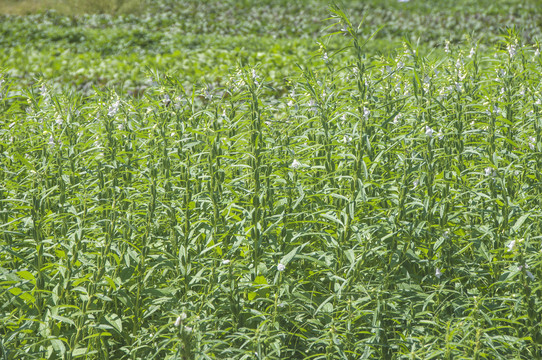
[184,179]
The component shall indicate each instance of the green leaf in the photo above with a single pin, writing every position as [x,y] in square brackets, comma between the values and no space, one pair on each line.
[115,321]
[519,222]
[288,257]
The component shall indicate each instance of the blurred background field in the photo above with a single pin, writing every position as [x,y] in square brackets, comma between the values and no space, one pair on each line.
[201,40]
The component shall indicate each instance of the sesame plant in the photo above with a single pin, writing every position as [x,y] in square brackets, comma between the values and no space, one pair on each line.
[360,206]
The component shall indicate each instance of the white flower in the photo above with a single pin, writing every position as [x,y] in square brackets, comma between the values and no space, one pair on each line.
[402,0]
[537,52]
[51,141]
[428,131]
[511,50]
[488,171]
[178,322]
[347,139]
[254,75]
[114,108]
[290,103]
[366,113]
[472,52]
[313,106]
[415,183]
[511,245]
[166,100]
[225,262]
[447,47]
[532,142]
[208,95]
[295,165]
[325,57]
[188,329]
[438,274]
[281,267]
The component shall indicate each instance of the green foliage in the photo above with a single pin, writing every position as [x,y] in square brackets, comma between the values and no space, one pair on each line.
[163,196]
[71,7]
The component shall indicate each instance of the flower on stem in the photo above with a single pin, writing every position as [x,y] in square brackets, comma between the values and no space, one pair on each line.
[166,100]
[208,95]
[313,106]
[458,64]
[438,274]
[366,113]
[458,86]
[281,267]
[114,108]
[532,142]
[295,164]
[511,50]
[178,321]
[428,131]
[511,245]
[325,57]
[488,171]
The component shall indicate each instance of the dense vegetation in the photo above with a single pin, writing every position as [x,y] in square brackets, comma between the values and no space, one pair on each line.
[272,180]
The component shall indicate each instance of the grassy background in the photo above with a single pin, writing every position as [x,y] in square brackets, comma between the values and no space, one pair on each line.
[71,7]
[196,39]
